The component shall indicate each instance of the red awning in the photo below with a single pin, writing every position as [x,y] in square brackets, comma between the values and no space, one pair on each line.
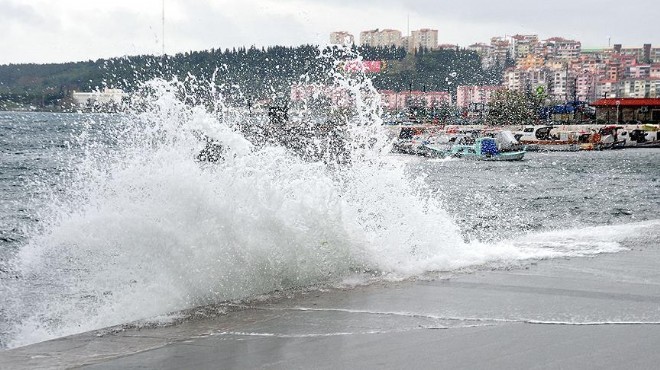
[625,102]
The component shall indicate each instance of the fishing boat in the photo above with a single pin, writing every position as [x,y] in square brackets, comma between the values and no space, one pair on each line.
[548,138]
[610,138]
[483,149]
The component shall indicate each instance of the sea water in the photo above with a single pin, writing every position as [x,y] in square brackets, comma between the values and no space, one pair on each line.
[109,218]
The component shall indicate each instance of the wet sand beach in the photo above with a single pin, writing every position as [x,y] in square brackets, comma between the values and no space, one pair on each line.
[600,312]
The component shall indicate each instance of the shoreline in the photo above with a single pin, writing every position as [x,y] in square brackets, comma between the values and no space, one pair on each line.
[580,312]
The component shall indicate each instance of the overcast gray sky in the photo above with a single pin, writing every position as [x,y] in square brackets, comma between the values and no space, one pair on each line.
[42,31]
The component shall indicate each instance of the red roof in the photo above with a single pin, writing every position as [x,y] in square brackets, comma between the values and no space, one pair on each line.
[625,102]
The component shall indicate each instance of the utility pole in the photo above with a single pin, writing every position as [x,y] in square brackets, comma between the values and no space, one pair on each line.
[566,83]
[408,29]
[163,57]
[163,27]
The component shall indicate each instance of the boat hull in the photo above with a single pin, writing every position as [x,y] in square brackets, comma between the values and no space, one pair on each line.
[443,152]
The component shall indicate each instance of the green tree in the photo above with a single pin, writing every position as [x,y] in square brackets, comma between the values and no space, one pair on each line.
[510,107]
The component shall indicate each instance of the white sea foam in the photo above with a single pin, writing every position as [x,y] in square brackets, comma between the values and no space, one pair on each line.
[144,229]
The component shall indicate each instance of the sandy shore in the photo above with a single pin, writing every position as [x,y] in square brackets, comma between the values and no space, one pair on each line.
[601,312]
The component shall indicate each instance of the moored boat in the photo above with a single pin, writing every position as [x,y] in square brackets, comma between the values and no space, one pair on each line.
[548,138]
[483,149]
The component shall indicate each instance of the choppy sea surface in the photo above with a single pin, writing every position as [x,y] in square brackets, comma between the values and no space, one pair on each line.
[107,219]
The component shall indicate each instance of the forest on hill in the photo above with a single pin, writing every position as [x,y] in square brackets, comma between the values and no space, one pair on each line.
[241,74]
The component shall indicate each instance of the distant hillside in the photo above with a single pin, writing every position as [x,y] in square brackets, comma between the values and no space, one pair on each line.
[260,73]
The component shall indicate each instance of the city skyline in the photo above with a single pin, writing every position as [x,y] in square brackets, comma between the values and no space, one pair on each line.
[40,31]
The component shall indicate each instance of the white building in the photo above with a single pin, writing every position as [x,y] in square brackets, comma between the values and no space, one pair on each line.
[342,38]
[386,37]
[526,79]
[475,98]
[485,52]
[634,88]
[423,39]
[561,84]
[638,71]
[561,48]
[654,72]
[606,89]
[523,45]
[654,88]
[500,49]
[105,97]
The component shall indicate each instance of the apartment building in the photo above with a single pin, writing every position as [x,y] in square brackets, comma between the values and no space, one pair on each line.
[514,79]
[654,71]
[606,89]
[654,88]
[471,96]
[559,65]
[523,45]
[386,37]
[530,62]
[341,38]
[526,79]
[425,38]
[561,83]
[561,48]
[638,71]
[654,55]
[397,101]
[634,88]
[613,70]
[485,52]
[634,52]
[480,48]
[96,98]
[500,49]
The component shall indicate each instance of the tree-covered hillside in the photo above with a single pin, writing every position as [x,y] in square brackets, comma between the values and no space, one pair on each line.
[243,74]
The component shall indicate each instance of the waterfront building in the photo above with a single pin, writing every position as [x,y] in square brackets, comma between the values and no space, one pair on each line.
[474,99]
[341,38]
[106,97]
[634,88]
[403,100]
[624,110]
